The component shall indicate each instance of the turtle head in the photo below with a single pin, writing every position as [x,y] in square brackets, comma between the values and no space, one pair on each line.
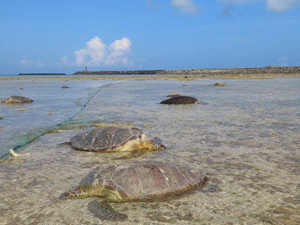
[157,145]
[151,144]
[8,100]
[84,191]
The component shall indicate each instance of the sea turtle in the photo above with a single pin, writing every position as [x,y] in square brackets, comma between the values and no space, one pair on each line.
[17,99]
[220,84]
[181,100]
[112,138]
[137,181]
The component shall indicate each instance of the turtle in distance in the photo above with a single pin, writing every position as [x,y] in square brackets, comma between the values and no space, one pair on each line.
[17,99]
[181,100]
[219,84]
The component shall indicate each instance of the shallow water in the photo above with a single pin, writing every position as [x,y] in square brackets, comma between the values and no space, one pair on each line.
[52,106]
[245,137]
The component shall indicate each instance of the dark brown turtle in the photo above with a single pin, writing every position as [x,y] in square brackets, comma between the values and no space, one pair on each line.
[138,181]
[112,138]
[181,100]
[220,84]
[17,99]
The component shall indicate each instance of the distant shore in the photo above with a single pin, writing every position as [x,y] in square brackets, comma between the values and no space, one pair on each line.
[221,71]
[268,72]
[40,74]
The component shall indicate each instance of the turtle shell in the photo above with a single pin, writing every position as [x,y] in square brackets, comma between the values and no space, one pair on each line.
[104,138]
[17,99]
[149,180]
[180,100]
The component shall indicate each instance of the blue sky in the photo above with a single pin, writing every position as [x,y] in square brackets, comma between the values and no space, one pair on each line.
[65,36]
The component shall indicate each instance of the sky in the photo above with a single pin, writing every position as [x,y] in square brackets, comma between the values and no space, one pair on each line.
[66,36]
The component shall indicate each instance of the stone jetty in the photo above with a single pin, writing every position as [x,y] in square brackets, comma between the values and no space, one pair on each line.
[221,71]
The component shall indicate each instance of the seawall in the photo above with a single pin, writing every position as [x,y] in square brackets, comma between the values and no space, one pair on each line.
[235,71]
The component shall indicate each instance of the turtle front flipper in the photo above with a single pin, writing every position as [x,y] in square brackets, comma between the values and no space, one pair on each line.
[131,155]
[104,211]
[84,191]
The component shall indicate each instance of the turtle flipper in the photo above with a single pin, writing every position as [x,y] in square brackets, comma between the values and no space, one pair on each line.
[104,211]
[131,155]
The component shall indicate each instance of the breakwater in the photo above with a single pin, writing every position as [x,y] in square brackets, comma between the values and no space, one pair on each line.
[41,74]
[221,71]
[121,72]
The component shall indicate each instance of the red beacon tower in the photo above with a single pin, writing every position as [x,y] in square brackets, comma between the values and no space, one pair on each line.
[86,68]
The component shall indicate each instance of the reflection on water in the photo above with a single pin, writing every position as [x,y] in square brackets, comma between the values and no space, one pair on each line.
[246,138]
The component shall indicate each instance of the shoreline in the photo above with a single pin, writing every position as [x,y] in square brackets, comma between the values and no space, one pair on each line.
[267,72]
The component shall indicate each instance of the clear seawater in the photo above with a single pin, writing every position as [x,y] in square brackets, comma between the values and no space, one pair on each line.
[245,136]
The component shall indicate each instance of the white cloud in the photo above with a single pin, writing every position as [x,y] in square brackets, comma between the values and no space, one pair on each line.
[93,54]
[185,6]
[97,53]
[282,5]
[117,51]
[273,5]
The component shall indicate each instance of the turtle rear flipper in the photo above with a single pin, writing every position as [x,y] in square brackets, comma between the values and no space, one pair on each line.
[104,211]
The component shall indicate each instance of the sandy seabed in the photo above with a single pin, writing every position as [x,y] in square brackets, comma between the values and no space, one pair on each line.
[245,137]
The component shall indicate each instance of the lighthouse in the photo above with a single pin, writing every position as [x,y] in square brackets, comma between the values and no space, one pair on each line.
[85,68]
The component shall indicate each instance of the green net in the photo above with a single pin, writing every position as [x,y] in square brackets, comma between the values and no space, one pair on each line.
[76,120]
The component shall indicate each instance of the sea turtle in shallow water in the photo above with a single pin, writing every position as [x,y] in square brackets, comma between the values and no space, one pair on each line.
[113,138]
[137,181]
[220,84]
[181,100]
[17,99]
